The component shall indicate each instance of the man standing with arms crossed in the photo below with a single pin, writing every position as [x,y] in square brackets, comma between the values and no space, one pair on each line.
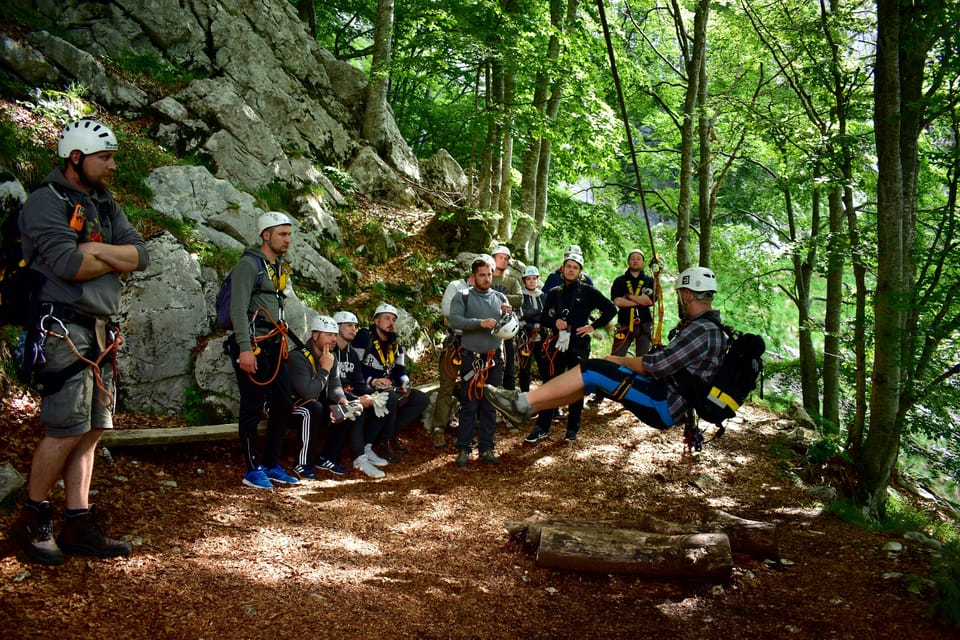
[632,293]
[79,239]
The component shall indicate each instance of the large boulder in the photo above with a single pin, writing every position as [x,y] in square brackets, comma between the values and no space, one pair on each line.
[163,315]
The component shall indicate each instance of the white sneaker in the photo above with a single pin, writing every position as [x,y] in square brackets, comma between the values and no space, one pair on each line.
[363,464]
[372,456]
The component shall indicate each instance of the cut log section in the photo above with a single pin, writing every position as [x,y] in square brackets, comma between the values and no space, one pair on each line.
[751,537]
[614,550]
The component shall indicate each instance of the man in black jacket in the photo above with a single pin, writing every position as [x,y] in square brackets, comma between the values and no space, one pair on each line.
[567,311]
[632,293]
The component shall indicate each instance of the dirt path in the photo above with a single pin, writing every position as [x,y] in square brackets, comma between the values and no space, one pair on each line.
[423,553]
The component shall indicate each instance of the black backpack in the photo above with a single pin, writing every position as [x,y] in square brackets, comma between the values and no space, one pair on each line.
[718,399]
[20,287]
[19,284]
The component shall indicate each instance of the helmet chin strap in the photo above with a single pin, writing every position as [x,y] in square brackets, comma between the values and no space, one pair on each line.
[78,169]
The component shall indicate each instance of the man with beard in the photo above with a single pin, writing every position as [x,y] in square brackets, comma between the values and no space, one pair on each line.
[476,312]
[78,240]
[384,369]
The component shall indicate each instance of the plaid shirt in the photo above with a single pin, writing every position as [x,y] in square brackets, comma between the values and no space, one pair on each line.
[698,347]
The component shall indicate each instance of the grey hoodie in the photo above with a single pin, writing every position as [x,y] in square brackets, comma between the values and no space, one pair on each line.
[52,244]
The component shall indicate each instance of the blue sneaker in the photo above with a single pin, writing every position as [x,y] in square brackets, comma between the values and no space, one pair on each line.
[330,465]
[257,478]
[305,473]
[277,474]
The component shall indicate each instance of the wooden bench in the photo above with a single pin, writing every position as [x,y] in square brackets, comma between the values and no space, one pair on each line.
[177,435]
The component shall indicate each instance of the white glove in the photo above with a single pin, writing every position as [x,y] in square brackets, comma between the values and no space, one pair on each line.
[563,340]
[404,384]
[380,404]
[353,410]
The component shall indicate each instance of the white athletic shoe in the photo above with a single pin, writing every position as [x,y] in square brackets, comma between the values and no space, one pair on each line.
[363,464]
[372,456]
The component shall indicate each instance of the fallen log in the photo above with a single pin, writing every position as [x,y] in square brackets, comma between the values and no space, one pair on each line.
[754,538]
[615,550]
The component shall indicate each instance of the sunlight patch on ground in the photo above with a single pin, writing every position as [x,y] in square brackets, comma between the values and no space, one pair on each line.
[544,462]
[685,609]
[723,502]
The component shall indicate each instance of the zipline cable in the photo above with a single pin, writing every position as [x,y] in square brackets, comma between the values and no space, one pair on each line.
[655,264]
[626,124]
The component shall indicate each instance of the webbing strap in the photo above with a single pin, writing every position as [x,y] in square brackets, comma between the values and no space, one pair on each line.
[721,399]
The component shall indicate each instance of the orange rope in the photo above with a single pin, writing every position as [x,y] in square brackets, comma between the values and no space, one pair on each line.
[550,354]
[104,398]
[279,329]
[481,373]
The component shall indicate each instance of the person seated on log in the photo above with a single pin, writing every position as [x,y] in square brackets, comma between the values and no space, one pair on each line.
[319,402]
[377,406]
[646,385]
[384,368]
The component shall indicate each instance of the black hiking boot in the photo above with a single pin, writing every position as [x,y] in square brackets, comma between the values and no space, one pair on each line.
[82,534]
[33,533]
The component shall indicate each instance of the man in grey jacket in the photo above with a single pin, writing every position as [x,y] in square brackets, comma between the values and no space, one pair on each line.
[476,312]
[257,351]
[78,238]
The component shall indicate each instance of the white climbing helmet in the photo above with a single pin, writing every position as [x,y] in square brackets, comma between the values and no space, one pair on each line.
[325,324]
[271,219]
[507,327]
[531,271]
[86,136]
[576,257]
[572,248]
[345,316]
[386,308]
[486,257]
[501,249]
[698,279]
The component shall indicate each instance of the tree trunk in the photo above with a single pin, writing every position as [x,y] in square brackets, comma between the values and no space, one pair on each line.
[750,537]
[687,128]
[375,114]
[706,196]
[536,159]
[307,11]
[833,314]
[505,204]
[881,445]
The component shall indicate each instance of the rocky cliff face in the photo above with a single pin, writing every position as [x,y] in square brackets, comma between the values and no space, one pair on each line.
[266,105]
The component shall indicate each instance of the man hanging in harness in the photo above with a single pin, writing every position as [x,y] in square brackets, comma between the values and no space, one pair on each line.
[650,385]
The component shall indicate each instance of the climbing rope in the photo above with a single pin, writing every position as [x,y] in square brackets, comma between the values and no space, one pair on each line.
[481,371]
[655,264]
[279,329]
[104,398]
